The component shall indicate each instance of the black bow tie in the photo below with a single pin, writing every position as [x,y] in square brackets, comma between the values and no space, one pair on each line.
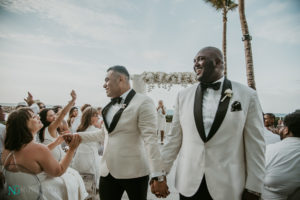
[116,100]
[214,86]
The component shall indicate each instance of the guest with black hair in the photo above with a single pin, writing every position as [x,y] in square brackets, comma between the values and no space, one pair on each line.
[282,176]
[48,133]
[73,118]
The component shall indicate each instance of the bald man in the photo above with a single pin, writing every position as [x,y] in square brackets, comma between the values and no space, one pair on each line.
[217,133]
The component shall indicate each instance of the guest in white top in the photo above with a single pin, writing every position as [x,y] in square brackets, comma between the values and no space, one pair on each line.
[283,161]
[161,120]
[73,119]
[87,159]
[270,137]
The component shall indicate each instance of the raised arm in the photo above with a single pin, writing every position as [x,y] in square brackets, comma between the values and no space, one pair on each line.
[52,166]
[54,125]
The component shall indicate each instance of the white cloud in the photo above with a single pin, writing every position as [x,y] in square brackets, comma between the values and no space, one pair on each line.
[273,8]
[280,30]
[154,55]
[86,22]
[278,24]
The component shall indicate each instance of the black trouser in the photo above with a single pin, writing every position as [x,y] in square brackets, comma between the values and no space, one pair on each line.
[111,188]
[201,194]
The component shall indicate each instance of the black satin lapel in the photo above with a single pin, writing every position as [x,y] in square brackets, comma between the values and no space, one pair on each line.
[198,113]
[222,110]
[104,112]
[117,116]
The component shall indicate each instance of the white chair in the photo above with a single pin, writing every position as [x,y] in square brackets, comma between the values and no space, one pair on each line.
[84,162]
[21,183]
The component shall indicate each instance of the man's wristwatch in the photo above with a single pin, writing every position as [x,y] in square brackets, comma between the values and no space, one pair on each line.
[157,178]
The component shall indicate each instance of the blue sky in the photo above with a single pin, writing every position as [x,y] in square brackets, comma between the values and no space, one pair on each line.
[49,47]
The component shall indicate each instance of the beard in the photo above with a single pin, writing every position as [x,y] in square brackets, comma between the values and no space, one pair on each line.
[207,72]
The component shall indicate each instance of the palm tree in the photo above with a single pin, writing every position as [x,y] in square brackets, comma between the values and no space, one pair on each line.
[247,45]
[225,6]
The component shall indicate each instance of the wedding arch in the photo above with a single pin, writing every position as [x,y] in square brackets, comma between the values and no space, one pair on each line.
[147,81]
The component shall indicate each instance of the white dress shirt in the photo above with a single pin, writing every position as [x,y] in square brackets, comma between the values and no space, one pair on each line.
[114,108]
[282,174]
[210,103]
[270,137]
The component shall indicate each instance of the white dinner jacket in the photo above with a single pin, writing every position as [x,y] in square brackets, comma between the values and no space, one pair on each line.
[232,159]
[131,149]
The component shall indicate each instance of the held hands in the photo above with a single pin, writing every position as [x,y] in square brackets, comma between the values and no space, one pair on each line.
[160,189]
[72,140]
[75,141]
[249,195]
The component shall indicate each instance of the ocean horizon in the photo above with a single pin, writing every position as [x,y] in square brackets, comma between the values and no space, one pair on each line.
[169,111]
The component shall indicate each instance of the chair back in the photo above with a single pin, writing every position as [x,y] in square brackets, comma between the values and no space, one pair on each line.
[21,183]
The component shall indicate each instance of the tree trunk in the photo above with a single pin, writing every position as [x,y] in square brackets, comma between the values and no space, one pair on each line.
[247,46]
[224,39]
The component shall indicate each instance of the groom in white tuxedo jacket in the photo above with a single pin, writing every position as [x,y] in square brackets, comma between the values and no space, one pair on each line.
[217,133]
[131,151]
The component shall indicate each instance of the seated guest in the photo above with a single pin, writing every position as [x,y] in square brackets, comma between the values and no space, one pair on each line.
[41,105]
[73,119]
[22,154]
[83,158]
[2,116]
[2,132]
[48,133]
[63,127]
[32,103]
[269,136]
[282,175]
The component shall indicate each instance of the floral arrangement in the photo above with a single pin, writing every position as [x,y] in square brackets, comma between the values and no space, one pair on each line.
[165,80]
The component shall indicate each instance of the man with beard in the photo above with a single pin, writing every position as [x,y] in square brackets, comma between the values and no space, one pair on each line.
[217,131]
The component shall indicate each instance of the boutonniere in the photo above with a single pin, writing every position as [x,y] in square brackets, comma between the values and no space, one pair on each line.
[124,105]
[228,93]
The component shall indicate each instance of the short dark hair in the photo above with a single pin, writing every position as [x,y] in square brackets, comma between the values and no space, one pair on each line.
[120,69]
[292,121]
[270,114]
[17,132]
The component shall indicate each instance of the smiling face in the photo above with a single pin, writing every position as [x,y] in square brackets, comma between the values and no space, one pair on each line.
[94,119]
[50,116]
[34,124]
[208,65]
[112,84]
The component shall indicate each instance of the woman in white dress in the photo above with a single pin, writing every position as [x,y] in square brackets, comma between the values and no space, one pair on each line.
[161,120]
[87,159]
[49,133]
[22,155]
[73,119]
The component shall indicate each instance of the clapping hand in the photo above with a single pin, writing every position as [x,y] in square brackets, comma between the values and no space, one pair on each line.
[29,99]
[73,95]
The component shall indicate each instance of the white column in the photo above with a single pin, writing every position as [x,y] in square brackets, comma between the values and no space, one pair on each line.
[138,84]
